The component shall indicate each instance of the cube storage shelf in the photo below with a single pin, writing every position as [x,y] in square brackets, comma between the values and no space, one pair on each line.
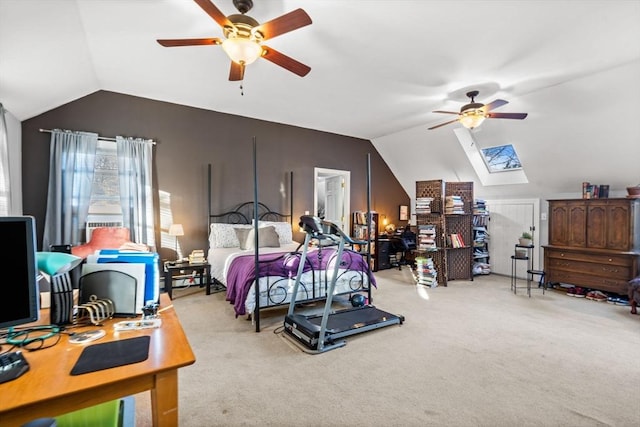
[436,201]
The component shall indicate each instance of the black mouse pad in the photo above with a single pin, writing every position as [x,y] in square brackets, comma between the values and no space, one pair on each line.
[107,355]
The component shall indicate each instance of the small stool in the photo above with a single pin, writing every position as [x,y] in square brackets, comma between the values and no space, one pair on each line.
[541,282]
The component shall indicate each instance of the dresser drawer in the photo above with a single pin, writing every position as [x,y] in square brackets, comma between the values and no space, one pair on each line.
[608,284]
[612,270]
[613,259]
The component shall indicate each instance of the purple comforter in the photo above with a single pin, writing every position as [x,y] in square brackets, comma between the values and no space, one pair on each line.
[241,273]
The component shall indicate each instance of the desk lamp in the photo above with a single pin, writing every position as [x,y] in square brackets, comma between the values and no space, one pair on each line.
[58,265]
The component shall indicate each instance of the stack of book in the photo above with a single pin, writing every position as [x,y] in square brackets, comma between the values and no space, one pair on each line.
[480,207]
[453,205]
[426,238]
[423,205]
[480,237]
[426,273]
[481,268]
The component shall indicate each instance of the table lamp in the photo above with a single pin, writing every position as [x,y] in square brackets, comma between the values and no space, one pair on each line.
[176,230]
[58,265]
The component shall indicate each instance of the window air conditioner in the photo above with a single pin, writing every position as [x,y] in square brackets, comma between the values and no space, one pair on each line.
[96,221]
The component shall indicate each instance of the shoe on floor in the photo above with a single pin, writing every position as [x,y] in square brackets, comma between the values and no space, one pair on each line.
[596,296]
[580,292]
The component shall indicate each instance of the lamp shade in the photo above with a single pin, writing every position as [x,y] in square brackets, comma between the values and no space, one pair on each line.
[242,50]
[176,230]
[472,120]
[54,263]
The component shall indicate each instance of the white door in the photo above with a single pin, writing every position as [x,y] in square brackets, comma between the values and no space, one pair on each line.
[331,196]
[334,200]
[508,219]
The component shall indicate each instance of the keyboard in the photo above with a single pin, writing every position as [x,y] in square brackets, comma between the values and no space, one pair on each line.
[12,365]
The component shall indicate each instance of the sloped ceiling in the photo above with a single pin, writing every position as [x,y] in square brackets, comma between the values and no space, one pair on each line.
[379,69]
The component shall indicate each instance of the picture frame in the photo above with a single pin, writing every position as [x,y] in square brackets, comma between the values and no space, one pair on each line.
[404,213]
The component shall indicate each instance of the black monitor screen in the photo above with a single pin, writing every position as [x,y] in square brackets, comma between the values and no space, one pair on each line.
[20,300]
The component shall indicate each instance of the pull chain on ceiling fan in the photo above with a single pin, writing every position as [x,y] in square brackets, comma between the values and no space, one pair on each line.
[473,114]
[244,37]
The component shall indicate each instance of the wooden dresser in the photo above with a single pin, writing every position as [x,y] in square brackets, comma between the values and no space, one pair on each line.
[593,243]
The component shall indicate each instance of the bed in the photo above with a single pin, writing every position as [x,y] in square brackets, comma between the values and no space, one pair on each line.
[232,256]
[254,238]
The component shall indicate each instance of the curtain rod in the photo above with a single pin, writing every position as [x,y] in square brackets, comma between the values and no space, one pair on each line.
[102,138]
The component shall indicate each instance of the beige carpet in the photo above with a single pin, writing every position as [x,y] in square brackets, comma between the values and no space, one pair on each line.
[470,354]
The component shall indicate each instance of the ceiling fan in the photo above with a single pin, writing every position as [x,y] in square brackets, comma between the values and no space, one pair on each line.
[474,113]
[244,37]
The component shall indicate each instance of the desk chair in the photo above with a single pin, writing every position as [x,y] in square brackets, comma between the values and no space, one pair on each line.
[397,245]
[409,240]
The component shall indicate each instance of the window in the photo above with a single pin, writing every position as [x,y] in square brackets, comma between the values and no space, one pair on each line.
[501,158]
[105,191]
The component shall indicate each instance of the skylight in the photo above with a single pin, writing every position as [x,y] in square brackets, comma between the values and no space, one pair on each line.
[501,158]
[478,159]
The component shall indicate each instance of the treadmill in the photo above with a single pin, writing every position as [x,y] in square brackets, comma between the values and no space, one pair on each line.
[324,332]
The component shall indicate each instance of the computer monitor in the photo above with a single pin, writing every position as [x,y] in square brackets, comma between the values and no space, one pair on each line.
[20,298]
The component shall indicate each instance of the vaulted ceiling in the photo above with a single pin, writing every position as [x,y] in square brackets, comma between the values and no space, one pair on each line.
[378,70]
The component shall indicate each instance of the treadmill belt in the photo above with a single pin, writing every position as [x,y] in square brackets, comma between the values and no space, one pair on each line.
[353,319]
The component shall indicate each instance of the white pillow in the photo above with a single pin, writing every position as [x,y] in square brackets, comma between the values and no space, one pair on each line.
[283,229]
[224,235]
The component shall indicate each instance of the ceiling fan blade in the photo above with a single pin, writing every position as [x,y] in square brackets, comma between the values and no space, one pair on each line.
[283,24]
[285,61]
[495,104]
[189,42]
[443,124]
[236,73]
[446,112]
[215,13]
[518,116]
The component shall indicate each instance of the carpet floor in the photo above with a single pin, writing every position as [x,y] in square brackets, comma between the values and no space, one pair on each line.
[469,354]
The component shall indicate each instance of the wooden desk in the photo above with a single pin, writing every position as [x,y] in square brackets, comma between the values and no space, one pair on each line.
[48,389]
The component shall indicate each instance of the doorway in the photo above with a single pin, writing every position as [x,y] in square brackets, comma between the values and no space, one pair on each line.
[508,219]
[332,195]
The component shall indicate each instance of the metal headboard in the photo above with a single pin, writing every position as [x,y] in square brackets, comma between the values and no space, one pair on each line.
[243,214]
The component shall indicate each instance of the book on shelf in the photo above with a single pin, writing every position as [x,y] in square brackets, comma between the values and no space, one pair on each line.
[426,238]
[423,205]
[456,240]
[453,205]
[594,191]
[481,268]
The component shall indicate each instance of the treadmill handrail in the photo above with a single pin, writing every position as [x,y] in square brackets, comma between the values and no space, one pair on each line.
[337,232]
[313,226]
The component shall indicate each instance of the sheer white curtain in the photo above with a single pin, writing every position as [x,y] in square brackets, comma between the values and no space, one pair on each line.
[5,193]
[72,161]
[136,187]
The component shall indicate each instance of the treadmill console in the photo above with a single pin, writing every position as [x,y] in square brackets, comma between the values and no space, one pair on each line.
[311,224]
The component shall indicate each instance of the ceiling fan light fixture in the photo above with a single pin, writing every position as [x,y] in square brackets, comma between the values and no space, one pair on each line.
[472,119]
[242,50]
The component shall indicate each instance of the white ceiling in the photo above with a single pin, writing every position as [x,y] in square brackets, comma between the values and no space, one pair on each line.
[378,68]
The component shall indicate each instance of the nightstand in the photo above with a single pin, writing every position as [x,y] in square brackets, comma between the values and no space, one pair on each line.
[203,271]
